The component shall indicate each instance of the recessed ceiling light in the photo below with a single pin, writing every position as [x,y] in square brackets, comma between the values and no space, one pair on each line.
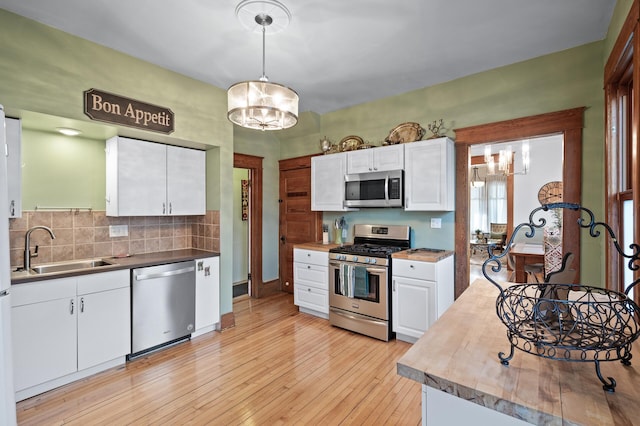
[68,131]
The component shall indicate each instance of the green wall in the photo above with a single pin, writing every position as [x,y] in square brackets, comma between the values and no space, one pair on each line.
[45,71]
[567,79]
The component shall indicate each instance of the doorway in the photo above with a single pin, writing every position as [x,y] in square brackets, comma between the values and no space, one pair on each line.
[569,124]
[241,273]
[298,223]
[253,165]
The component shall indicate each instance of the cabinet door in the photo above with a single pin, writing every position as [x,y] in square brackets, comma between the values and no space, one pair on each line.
[136,178]
[327,182]
[14,166]
[387,158]
[429,175]
[414,305]
[185,181]
[44,341]
[104,327]
[378,159]
[359,161]
[207,292]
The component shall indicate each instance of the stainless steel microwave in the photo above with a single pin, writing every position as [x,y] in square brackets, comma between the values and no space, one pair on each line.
[375,189]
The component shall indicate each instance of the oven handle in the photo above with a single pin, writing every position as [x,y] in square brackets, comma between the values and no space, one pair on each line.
[356,318]
[378,270]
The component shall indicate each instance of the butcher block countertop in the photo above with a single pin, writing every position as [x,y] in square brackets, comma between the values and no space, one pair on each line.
[423,255]
[459,355]
[318,246]
[131,262]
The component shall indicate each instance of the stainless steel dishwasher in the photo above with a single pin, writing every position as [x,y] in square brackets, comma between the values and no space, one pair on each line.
[162,305]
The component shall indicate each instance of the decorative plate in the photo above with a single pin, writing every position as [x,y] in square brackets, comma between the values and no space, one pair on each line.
[405,132]
[351,143]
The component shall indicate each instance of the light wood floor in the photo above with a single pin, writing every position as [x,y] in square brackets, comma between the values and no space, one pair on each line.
[277,366]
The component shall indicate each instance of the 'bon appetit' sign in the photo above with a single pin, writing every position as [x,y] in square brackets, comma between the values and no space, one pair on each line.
[110,108]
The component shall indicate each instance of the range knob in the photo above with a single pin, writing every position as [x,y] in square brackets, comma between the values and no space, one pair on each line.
[367,260]
[373,260]
[355,258]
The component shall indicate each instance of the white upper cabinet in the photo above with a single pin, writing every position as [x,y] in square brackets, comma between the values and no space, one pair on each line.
[14,166]
[429,183]
[327,182]
[185,181]
[379,159]
[151,179]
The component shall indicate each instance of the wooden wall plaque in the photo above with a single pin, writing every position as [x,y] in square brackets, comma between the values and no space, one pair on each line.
[111,108]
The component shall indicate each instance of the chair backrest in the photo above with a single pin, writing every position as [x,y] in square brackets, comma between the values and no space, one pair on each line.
[498,228]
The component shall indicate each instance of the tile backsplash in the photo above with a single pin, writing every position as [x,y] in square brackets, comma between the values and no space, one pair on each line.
[85,235]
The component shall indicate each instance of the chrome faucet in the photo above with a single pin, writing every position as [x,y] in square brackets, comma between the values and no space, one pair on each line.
[27,251]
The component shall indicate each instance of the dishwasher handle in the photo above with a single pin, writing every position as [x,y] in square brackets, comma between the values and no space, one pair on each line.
[141,277]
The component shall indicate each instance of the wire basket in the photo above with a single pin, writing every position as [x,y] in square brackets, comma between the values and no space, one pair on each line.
[567,321]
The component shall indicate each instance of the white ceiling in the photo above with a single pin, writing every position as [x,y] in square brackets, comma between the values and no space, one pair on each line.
[334,53]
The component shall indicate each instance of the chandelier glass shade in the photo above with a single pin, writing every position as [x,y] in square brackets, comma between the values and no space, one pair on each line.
[262,105]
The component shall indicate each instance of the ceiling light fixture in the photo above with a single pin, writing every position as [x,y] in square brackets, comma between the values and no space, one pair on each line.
[260,104]
[476,182]
[68,131]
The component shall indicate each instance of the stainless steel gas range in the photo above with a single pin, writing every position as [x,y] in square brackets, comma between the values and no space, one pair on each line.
[360,279]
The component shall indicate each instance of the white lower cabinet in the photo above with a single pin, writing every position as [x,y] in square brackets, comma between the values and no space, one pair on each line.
[207,295]
[422,291]
[311,281]
[68,328]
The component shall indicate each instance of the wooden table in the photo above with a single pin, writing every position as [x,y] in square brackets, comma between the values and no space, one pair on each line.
[523,254]
[456,361]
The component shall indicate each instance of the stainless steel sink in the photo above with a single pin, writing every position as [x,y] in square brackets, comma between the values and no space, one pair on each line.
[70,266]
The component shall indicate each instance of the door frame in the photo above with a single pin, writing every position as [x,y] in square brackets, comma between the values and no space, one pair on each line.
[569,123]
[254,165]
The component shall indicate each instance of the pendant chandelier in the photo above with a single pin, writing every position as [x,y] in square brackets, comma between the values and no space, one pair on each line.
[476,182]
[260,104]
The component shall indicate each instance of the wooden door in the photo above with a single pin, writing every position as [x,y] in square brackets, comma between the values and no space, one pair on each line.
[298,224]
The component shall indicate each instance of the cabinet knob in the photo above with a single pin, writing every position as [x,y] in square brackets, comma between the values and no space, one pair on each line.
[71,307]
[309,290]
[308,266]
[411,266]
[81,304]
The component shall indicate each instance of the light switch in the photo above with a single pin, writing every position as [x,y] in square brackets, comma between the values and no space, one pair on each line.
[118,230]
[436,222]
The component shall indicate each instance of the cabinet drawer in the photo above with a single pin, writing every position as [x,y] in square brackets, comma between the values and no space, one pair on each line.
[414,269]
[94,283]
[313,257]
[311,275]
[311,298]
[43,291]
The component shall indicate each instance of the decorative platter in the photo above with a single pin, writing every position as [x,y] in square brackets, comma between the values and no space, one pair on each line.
[405,132]
[351,143]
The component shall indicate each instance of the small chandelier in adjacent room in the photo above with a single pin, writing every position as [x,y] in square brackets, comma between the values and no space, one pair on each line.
[476,182]
[260,104]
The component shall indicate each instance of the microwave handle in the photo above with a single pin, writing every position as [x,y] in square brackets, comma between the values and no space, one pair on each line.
[386,188]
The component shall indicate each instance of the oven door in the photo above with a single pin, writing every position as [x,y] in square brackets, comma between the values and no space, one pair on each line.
[359,288]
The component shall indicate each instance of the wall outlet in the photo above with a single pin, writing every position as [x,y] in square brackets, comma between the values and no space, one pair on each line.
[118,230]
[436,222]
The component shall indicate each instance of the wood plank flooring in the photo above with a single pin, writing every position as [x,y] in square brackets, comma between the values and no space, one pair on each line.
[276,366]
